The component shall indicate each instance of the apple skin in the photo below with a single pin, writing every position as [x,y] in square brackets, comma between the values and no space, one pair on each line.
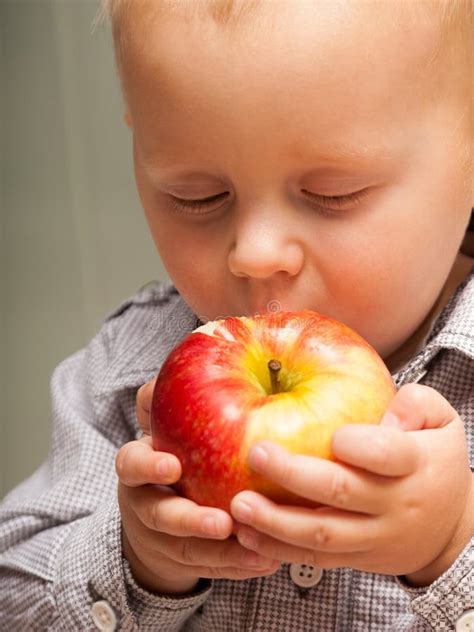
[213,398]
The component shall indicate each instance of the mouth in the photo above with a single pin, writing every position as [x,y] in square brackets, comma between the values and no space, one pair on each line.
[260,308]
[270,307]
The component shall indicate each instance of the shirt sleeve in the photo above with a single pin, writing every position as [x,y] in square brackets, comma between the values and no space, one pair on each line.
[60,530]
[147,606]
[448,601]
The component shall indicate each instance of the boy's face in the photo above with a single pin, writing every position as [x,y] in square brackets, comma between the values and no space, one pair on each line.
[300,102]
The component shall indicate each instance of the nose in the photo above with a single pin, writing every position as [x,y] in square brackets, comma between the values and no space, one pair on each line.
[265,246]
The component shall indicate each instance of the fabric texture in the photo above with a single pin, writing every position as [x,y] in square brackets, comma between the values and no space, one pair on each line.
[60,530]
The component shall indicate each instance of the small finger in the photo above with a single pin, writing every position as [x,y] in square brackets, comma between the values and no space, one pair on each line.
[137,464]
[143,405]
[161,509]
[383,450]
[230,572]
[212,554]
[239,573]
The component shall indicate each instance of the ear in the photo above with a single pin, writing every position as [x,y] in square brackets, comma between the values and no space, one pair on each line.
[128,119]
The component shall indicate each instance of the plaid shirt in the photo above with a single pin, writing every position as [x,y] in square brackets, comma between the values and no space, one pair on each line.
[61,566]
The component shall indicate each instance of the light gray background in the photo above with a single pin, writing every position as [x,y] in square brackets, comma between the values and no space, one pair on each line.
[73,238]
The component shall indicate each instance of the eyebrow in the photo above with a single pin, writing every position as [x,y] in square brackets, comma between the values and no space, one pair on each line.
[344,152]
[325,162]
[157,172]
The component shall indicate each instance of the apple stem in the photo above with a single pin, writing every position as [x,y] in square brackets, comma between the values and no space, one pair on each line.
[274,366]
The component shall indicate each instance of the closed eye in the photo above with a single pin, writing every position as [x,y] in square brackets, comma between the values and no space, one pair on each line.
[325,203]
[194,206]
[338,201]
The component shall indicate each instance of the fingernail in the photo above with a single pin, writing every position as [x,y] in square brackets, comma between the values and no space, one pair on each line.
[389,419]
[210,525]
[242,511]
[258,457]
[165,467]
[254,560]
[247,539]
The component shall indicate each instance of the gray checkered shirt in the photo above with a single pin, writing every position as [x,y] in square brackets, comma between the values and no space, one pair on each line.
[60,551]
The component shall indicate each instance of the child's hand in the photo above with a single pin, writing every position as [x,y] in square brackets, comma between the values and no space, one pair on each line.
[169,541]
[144,397]
[397,502]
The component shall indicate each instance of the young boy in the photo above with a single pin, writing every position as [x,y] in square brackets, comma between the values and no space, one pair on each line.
[308,154]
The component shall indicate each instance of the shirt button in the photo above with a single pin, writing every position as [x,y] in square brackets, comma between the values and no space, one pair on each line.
[103,616]
[465,623]
[305,575]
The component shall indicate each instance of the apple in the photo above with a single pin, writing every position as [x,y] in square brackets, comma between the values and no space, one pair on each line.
[289,377]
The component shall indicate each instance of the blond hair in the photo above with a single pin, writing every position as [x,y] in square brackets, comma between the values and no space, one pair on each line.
[222,11]
[451,13]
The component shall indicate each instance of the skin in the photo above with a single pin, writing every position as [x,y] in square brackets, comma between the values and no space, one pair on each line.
[346,107]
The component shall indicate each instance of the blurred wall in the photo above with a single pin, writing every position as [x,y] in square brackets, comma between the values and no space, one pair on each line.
[74,241]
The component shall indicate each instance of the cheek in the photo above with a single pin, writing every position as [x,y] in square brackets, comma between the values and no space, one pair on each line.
[184,254]
[193,265]
[373,274]
[193,269]
[187,258]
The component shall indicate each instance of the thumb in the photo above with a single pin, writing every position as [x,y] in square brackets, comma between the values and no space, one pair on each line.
[143,405]
[418,407]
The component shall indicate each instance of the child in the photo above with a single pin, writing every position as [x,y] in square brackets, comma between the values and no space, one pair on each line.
[309,154]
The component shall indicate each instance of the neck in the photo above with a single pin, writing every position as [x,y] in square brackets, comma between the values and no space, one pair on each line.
[461,268]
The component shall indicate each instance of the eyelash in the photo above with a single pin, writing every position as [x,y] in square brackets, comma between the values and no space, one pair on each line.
[339,201]
[192,206]
[201,207]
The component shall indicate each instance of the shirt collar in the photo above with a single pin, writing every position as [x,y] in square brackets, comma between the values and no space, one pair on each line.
[454,329]
[455,326]
[148,347]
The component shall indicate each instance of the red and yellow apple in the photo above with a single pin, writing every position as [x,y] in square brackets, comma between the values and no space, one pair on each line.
[291,377]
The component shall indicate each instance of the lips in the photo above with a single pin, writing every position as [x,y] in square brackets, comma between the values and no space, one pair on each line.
[273,306]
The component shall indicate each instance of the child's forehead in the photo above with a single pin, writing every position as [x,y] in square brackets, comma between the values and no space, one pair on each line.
[366,57]
[233,12]
[261,15]
[446,24]
[350,27]
[329,42]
